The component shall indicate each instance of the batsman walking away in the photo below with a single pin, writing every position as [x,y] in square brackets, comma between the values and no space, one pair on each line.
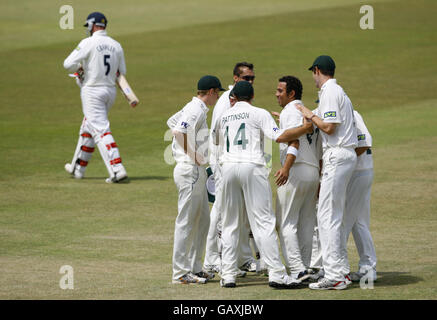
[97,61]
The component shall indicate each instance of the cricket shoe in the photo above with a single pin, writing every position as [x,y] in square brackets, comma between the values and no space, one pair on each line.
[326,284]
[303,276]
[369,273]
[250,266]
[72,170]
[227,283]
[189,278]
[206,275]
[347,279]
[120,176]
[314,275]
[285,282]
[212,268]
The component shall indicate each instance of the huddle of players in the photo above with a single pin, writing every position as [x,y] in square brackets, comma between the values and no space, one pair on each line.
[243,196]
[333,133]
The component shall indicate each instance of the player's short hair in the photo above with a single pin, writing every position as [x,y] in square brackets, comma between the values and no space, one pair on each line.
[241,65]
[329,73]
[293,83]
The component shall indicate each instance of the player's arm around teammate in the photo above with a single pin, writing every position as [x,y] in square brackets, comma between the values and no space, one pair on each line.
[338,131]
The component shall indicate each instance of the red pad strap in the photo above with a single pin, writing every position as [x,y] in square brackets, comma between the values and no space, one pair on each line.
[111,145]
[87,149]
[86,135]
[105,134]
[83,163]
[115,161]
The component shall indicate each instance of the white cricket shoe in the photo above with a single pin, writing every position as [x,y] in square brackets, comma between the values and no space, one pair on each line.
[227,283]
[285,282]
[118,177]
[72,170]
[347,279]
[326,284]
[205,274]
[368,272]
[189,278]
[250,266]
[212,268]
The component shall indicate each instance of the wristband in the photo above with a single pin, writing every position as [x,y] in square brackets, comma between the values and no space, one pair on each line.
[292,150]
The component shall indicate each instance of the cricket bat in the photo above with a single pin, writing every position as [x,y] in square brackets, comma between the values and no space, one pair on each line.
[127,91]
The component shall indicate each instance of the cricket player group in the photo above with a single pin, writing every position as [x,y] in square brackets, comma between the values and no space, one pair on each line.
[323,185]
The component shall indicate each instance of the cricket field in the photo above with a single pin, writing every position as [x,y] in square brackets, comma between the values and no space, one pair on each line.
[118,238]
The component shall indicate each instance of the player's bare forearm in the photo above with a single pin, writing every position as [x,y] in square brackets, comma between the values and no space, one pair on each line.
[294,133]
[360,150]
[283,173]
[326,127]
[182,140]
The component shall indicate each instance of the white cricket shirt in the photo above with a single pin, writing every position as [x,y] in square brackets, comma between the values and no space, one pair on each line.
[100,56]
[220,107]
[240,133]
[191,120]
[365,160]
[336,107]
[291,117]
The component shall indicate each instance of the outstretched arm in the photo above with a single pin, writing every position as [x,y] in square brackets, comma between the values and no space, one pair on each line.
[294,133]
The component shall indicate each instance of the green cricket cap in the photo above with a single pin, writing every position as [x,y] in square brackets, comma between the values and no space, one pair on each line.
[209,82]
[242,90]
[323,63]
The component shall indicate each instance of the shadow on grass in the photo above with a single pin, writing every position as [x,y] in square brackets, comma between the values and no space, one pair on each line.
[385,279]
[396,279]
[160,178]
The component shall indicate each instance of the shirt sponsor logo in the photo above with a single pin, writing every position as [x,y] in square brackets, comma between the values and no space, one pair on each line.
[330,114]
[184,124]
[275,129]
[361,137]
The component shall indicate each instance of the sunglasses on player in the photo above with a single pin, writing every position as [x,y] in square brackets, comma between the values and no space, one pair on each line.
[248,78]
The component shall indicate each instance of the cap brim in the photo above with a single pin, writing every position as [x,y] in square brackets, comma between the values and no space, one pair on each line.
[311,68]
[221,89]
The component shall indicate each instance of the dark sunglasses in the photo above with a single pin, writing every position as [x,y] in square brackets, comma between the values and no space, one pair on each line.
[248,78]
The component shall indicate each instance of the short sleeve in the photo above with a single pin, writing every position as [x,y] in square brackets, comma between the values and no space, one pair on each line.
[329,106]
[363,135]
[268,126]
[187,120]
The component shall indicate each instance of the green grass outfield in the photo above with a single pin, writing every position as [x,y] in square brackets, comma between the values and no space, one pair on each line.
[118,238]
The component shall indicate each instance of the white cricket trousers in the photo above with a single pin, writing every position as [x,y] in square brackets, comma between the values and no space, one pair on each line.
[247,185]
[357,217]
[96,103]
[338,166]
[213,242]
[192,222]
[296,216]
